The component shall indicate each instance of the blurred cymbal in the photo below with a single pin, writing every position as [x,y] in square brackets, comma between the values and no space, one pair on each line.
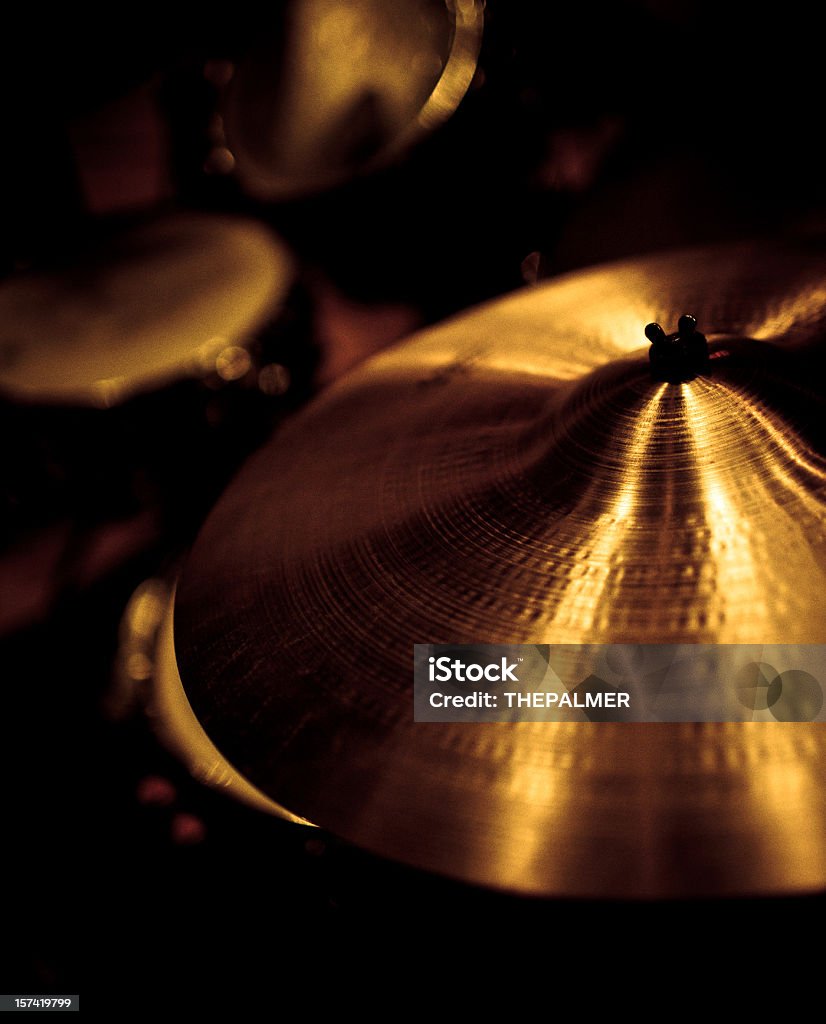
[516,475]
[335,88]
[154,305]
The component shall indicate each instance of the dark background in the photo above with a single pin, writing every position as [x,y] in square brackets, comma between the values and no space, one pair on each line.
[592,131]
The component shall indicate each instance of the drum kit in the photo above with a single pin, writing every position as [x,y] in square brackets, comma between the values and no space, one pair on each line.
[515,474]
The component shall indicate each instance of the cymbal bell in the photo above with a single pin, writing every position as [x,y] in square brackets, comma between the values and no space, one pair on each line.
[518,475]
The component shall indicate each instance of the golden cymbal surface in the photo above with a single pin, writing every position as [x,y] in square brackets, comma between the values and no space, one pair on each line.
[152,306]
[516,475]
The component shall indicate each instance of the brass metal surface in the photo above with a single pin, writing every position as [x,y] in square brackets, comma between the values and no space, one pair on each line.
[357,83]
[166,300]
[179,729]
[516,475]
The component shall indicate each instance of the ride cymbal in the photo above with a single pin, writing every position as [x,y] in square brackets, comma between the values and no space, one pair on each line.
[519,475]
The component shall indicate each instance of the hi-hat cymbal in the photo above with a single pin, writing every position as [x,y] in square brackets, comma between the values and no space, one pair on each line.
[518,475]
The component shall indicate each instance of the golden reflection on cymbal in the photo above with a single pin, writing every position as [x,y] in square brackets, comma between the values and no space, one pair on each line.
[605,538]
[516,475]
[179,730]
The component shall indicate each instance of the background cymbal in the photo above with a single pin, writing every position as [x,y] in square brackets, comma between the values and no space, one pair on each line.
[517,476]
[348,87]
[139,311]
